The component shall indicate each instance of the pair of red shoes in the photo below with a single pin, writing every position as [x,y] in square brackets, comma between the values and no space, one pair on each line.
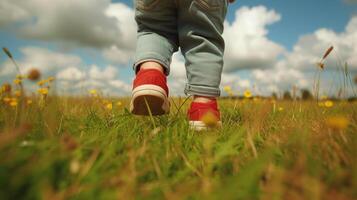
[150,97]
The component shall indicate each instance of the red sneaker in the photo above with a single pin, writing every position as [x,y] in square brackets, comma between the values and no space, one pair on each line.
[150,93]
[204,115]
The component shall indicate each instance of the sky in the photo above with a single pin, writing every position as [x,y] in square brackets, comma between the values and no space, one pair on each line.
[271,45]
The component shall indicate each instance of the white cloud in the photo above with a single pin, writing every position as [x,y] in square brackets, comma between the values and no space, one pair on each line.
[70,74]
[10,12]
[108,73]
[82,22]
[247,45]
[125,22]
[118,84]
[310,48]
[45,60]
[117,55]
[280,78]
[78,23]
[73,76]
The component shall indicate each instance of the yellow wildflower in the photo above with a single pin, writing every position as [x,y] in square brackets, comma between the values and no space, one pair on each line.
[210,120]
[247,94]
[17,93]
[17,81]
[43,91]
[93,92]
[6,87]
[41,82]
[328,104]
[7,99]
[227,88]
[109,106]
[13,103]
[119,103]
[337,122]
[19,77]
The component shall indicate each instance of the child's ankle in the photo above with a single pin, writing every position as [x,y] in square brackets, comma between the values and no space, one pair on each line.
[151,65]
[203,99]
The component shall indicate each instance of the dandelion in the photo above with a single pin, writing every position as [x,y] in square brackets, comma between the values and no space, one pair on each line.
[93,92]
[43,91]
[17,93]
[227,88]
[210,120]
[328,104]
[34,75]
[41,82]
[20,77]
[7,99]
[247,94]
[109,106]
[6,88]
[13,102]
[17,81]
[337,122]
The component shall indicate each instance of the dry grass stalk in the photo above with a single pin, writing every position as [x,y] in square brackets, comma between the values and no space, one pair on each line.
[327,52]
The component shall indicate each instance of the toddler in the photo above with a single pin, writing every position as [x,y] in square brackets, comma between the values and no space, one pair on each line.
[194,26]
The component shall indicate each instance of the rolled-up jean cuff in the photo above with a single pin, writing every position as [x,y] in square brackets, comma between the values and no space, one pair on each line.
[153,57]
[202,91]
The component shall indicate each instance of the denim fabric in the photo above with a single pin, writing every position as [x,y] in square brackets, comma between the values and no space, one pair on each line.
[194,26]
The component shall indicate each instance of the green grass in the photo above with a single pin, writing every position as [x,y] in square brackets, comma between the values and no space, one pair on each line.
[73,148]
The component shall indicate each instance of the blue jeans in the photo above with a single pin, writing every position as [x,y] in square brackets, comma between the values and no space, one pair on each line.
[194,26]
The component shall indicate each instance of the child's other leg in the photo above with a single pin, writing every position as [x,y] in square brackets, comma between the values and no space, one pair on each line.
[157,41]
[200,25]
[157,33]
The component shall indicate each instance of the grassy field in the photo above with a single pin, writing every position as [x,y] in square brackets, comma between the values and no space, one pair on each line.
[91,148]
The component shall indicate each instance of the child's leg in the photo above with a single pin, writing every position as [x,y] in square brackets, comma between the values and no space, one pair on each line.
[200,24]
[157,33]
[157,40]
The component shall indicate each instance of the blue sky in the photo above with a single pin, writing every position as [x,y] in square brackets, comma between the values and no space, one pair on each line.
[299,23]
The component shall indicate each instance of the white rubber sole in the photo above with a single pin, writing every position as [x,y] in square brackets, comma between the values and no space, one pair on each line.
[201,126]
[149,99]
